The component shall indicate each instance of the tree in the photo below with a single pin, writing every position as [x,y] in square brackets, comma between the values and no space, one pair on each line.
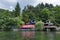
[56,15]
[28,13]
[40,6]
[45,14]
[17,10]
[47,5]
[4,20]
[39,25]
[51,6]
[7,21]
[42,12]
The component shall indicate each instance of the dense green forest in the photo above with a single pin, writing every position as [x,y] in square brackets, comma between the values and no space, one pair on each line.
[9,19]
[40,12]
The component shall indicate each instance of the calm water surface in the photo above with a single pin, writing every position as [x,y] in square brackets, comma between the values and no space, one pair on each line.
[30,35]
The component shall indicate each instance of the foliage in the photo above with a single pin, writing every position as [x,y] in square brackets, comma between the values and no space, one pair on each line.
[56,15]
[17,10]
[18,21]
[45,14]
[9,19]
[40,12]
[9,22]
[39,25]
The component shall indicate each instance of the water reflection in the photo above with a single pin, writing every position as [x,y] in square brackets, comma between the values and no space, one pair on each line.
[31,35]
[28,35]
[51,35]
[57,36]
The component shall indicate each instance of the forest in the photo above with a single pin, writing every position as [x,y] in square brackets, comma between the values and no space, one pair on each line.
[17,18]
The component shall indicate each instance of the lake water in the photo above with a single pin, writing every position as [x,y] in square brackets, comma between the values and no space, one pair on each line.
[30,35]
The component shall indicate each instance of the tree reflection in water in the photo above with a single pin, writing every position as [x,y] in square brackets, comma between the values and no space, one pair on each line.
[28,35]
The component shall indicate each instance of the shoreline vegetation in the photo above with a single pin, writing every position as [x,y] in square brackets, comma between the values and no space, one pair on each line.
[10,20]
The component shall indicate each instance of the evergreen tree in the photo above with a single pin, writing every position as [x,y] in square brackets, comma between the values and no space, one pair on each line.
[17,10]
[47,5]
[42,6]
[51,6]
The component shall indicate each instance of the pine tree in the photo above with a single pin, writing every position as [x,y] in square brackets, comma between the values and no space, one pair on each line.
[17,10]
[47,5]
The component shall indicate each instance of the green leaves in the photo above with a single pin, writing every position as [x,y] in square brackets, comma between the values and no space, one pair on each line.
[56,15]
[46,13]
[39,24]
[17,10]
[9,19]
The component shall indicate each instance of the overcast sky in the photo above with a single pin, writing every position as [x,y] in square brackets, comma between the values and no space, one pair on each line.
[10,4]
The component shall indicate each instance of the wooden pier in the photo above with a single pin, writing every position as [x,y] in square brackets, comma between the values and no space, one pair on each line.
[48,26]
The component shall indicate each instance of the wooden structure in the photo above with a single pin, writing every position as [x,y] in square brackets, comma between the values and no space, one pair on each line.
[49,26]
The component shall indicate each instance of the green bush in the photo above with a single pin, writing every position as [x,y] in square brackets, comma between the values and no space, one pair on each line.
[39,25]
[17,21]
[7,23]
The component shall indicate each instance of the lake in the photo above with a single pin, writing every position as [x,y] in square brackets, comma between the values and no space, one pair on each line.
[30,35]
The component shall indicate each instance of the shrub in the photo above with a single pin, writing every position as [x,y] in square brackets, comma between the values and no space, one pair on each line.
[7,23]
[39,25]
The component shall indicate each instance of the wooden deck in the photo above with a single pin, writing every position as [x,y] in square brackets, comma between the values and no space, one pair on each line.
[49,27]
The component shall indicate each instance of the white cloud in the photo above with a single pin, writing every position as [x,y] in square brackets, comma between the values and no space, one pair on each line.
[2,6]
[11,8]
[12,1]
[10,4]
[54,2]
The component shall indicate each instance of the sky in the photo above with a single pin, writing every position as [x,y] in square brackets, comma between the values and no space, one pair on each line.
[10,4]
